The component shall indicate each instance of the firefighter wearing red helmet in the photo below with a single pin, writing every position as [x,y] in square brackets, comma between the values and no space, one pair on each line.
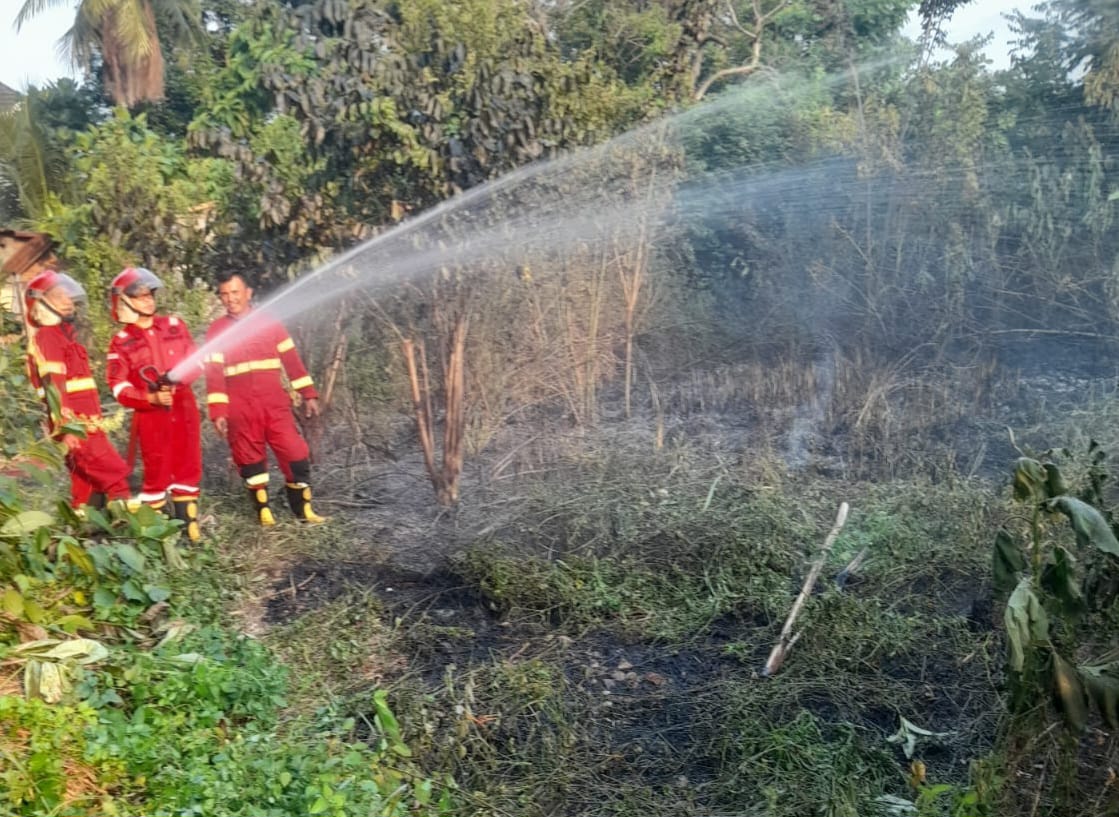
[249,405]
[165,417]
[56,358]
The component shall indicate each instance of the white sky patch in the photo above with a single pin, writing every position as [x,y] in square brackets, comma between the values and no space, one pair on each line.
[979,18]
[31,55]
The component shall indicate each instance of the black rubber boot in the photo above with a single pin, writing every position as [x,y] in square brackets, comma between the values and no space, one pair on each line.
[299,498]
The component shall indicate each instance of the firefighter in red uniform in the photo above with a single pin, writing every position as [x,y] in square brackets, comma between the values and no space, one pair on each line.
[249,405]
[56,357]
[165,420]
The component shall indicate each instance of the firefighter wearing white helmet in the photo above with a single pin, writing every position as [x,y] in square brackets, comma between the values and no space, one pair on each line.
[57,360]
[165,418]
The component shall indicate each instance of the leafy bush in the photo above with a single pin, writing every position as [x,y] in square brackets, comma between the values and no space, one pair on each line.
[158,716]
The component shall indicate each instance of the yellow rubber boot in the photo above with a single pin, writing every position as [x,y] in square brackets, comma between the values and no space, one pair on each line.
[263,511]
[186,509]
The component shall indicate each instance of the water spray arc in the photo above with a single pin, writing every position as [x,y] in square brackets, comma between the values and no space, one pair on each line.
[579,198]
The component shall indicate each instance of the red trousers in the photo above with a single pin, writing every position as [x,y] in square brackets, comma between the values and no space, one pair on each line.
[254,425]
[171,448]
[96,468]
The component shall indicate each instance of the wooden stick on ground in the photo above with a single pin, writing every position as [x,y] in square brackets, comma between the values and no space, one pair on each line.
[785,642]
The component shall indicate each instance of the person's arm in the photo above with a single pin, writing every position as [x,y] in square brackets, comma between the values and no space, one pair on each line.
[217,400]
[297,373]
[47,360]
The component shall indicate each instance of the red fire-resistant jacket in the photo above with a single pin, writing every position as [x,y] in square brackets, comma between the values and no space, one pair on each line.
[249,371]
[55,353]
[165,343]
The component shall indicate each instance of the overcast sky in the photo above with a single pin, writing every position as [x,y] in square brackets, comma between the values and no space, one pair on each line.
[31,56]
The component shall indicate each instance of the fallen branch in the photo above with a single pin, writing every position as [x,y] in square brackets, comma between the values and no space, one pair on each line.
[787,639]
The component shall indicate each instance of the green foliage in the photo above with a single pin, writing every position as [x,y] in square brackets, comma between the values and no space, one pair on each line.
[141,201]
[806,765]
[156,716]
[632,584]
[1044,614]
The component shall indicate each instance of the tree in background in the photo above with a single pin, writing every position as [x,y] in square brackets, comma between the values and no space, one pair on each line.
[122,36]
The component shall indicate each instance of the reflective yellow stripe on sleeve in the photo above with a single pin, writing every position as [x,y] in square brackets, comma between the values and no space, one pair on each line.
[216,357]
[284,345]
[302,383]
[80,384]
[216,397]
[253,366]
[51,367]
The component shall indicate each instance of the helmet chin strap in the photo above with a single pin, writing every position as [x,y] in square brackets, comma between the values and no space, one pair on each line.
[53,317]
[135,311]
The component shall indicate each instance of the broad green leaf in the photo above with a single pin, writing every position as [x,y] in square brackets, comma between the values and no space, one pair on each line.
[12,602]
[104,597]
[26,522]
[73,622]
[1102,684]
[1059,579]
[1054,482]
[1088,523]
[1009,561]
[131,557]
[157,593]
[1029,480]
[1026,623]
[33,612]
[67,515]
[78,557]
[132,591]
[97,518]
[1069,694]
[384,717]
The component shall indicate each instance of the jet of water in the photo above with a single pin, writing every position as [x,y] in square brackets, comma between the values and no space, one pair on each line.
[638,182]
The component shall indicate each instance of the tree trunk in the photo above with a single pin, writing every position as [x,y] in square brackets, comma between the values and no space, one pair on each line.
[133,71]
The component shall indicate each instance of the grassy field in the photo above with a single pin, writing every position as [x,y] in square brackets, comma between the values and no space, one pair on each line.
[584,635]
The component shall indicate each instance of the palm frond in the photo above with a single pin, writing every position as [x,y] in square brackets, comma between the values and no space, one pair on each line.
[32,8]
[183,19]
[22,160]
[82,41]
[134,28]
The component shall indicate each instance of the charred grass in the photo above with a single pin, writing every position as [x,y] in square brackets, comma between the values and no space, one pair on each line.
[597,652]
[584,635]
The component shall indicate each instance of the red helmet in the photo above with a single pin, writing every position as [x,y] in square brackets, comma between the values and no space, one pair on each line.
[50,298]
[131,282]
